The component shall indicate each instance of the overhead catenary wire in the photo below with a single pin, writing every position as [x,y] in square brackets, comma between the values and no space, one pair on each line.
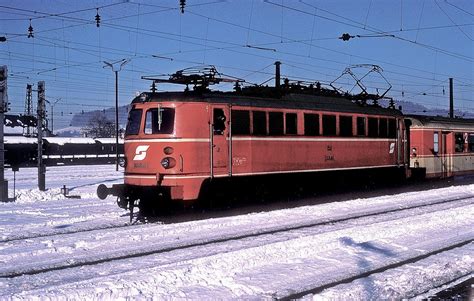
[215,46]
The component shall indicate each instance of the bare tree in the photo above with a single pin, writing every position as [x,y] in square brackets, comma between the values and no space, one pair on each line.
[99,127]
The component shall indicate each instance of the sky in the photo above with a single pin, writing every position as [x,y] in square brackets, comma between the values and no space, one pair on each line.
[418,46]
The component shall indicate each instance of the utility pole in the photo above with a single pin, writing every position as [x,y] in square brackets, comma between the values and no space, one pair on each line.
[3,109]
[451,98]
[40,123]
[120,64]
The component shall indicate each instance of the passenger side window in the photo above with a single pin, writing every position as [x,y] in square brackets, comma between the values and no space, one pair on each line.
[345,126]
[383,128]
[311,124]
[291,124]
[459,143]
[275,123]
[259,123]
[240,122]
[470,142]
[360,126]
[435,142]
[329,125]
[373,127]
[392,128]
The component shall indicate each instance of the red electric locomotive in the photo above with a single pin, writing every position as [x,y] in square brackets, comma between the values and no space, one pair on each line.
[178,142]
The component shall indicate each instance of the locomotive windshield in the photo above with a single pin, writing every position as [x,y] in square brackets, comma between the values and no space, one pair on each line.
[134,121]
[159,121]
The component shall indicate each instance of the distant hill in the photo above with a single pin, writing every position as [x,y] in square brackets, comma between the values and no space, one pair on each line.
[71,131]
[417,109]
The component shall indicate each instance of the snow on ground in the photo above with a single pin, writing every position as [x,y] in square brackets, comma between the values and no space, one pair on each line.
[276,264]
[47,212]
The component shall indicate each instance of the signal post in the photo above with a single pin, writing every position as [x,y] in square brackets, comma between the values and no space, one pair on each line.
[3,108]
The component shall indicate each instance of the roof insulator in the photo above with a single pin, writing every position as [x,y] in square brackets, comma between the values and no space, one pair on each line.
[97,18]
[30,31]
[345,37]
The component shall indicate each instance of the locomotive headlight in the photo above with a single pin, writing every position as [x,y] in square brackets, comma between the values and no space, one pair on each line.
[168,162]
[168,150]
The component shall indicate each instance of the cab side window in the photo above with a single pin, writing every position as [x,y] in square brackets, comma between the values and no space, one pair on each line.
[219,121]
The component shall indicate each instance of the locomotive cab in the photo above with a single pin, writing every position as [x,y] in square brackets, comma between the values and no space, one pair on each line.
[173,143]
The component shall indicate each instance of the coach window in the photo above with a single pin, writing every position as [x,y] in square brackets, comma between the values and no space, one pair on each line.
[291,123]
[259,123]
[275,123]
[240,122]
[458,143]
[345,126]
[329,125]
[159,121]
[435,142]
[373,127]
[311,124]
[360,126]
[392,128]
[471,143]
[383,128]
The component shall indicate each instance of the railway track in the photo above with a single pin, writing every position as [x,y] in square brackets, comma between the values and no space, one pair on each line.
[56,254]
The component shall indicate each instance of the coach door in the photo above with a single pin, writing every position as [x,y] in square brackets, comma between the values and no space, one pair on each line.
[219,143]
[445,158]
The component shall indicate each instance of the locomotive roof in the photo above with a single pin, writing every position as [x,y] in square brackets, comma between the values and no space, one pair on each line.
[287,101]
[441,122]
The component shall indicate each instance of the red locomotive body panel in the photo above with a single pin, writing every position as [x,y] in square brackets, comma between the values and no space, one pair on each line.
[200,142]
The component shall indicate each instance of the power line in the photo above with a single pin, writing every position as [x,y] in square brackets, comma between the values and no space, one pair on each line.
[446,52]
[452,21]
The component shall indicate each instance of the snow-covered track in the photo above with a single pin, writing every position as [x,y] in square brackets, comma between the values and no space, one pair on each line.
[59,252]
[120,224]
[65,232]
[383,268]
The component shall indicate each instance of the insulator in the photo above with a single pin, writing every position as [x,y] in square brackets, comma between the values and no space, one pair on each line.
[182,4]
[345,37]
[97,18]
[30,31]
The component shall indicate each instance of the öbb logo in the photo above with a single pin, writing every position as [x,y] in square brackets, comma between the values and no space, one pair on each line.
[140,152]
